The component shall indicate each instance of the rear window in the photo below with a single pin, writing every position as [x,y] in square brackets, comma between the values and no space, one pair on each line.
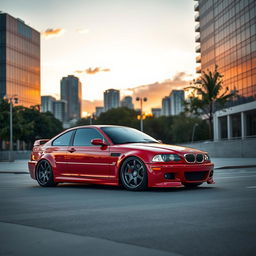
[63,140]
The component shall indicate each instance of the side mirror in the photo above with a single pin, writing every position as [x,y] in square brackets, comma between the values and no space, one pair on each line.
[98,142]
[160,141]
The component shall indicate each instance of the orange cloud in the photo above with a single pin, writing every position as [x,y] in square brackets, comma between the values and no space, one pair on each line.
[92,71]
[51,32]
[156,91]
[89,105]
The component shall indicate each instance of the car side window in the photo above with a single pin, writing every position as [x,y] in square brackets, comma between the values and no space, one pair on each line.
[63,140]
[84,136]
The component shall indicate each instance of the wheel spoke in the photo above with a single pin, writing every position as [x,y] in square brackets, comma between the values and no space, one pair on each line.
[139,169]
[139,176]
[129,177]
[129,167]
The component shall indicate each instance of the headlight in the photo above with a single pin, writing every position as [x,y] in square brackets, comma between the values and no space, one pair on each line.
[206,157]
[165,158]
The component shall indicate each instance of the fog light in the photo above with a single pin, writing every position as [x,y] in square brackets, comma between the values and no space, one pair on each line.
[169,176]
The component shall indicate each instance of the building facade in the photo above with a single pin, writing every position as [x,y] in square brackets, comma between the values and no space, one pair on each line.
[226,36]
[60,110]
[177,100]
[111,99]
[47,103]
[166,106]
[127,102]
[71,92]
[19,61]
[98,111]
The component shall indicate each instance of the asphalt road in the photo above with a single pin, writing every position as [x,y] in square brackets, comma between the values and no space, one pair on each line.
[76,219]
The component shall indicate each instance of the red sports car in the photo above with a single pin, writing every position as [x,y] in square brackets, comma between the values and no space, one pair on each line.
[117,155]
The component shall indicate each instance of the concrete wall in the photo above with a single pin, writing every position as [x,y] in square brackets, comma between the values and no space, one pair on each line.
[22,154]
[227,148]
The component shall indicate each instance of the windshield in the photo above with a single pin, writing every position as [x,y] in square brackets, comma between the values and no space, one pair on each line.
[123,135]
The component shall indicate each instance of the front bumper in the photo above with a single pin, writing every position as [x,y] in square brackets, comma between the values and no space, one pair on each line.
[175,175]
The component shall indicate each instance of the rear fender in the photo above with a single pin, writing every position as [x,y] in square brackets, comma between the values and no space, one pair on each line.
[50,159]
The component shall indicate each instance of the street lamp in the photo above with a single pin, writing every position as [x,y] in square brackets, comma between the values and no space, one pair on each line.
[141,113]
[13,100]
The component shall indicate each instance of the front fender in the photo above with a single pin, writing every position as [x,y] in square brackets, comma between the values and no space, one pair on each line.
[143,156]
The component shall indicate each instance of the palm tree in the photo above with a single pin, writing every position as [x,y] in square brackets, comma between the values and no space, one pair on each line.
[208,92]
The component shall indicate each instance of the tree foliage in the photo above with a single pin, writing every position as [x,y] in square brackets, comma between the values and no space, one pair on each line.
[183,126]
[208,92]
[169,129]
[119,116]
[29,124]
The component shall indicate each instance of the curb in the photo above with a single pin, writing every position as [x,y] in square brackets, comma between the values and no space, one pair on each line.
[235,167]
[12,172]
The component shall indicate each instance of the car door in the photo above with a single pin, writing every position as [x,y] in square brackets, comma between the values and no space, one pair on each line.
[87,160]
[59,149]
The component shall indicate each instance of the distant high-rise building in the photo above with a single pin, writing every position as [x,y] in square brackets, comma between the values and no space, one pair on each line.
[176,100]
[156,112]
[60,109]
[127,102]
[19,61]
[226,36]
[71,92]
[99,110]
[166,106]
[111,99]
[47,103]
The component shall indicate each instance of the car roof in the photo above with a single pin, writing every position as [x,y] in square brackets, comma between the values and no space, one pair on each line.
[96,126]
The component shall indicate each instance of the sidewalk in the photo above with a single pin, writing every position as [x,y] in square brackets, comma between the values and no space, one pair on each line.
[228,163]
[20,166]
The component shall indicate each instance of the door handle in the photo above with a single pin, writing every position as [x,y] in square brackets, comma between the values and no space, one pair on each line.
[72,150]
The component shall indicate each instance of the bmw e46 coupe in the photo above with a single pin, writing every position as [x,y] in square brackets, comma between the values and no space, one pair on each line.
[117,155]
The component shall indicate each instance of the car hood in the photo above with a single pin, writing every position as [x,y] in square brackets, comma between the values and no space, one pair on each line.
[162,148]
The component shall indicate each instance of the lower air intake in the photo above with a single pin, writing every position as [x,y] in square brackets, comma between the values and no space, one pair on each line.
[196,176]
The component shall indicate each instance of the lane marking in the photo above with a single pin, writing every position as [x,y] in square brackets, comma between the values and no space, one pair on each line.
[251,187]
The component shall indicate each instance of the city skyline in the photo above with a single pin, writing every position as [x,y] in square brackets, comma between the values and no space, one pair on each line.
[122,45]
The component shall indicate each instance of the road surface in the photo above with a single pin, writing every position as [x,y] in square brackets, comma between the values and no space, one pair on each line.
[85,219]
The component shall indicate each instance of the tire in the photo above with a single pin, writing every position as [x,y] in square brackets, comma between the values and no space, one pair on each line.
[44,174]
[192,185]
[133,174]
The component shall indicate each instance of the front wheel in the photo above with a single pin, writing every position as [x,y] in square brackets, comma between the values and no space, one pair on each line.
[44,174]
[133,174]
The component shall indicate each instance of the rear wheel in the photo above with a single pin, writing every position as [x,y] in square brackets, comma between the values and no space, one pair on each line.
[44,174]
[192,185]
[133,174]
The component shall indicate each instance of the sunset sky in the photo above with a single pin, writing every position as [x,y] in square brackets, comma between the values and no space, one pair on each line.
[142,47]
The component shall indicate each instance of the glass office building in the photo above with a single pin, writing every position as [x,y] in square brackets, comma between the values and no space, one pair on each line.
[226,36]
[71,92]
[111,99]
[19,61]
